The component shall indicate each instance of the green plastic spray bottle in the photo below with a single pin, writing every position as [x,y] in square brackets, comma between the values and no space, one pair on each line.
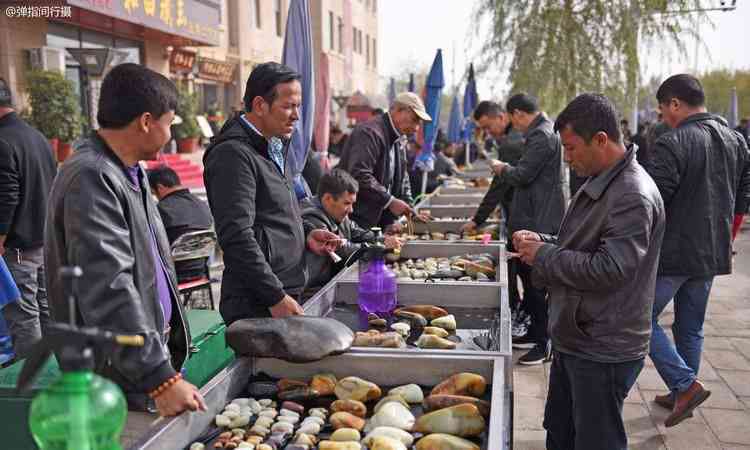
[81,410]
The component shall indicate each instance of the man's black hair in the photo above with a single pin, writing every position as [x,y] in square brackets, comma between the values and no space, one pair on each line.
[263,80]
[487,108]
[684,87]
[589,114]
[336,183]
[130,90]
[163,175]
[6,98]
[522,102]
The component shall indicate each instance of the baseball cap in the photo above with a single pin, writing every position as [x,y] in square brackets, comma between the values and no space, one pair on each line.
[413,101]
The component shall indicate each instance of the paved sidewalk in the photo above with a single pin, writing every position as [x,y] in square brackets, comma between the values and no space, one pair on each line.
[722,422]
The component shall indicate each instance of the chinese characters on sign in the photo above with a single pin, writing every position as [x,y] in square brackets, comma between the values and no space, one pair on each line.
[181,61]
[198,20]
[210,69]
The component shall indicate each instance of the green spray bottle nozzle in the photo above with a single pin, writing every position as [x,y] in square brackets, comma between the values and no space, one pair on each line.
[74,345]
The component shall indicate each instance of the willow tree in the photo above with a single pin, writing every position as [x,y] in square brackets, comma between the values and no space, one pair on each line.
[559,48]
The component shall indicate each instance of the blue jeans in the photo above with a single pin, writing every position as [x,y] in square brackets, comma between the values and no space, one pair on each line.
[678,363]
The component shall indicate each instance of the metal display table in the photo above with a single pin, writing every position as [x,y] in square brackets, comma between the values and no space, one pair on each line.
[426,370]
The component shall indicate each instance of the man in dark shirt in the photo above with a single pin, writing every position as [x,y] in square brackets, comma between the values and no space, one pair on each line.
[27,169]
[181,212]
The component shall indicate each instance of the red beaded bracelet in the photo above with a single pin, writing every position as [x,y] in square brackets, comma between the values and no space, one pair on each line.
[164,386]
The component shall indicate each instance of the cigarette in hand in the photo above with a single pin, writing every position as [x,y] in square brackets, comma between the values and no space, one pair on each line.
[511,255]
[336,258]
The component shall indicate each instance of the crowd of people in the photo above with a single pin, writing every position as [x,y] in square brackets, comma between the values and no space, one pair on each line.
[649,221]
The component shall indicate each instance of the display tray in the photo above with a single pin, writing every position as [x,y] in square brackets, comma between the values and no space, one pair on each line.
[447,225]
[427,371]
[440,211]
[444,249]
[463,190]
[454,199]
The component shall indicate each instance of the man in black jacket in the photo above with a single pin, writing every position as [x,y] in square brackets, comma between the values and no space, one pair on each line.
[102,218]
[181,212]
[702,169]
[27,168]
[329,210]
[249,183]
[375,155]
[509,143]
[538,204]
[600,272]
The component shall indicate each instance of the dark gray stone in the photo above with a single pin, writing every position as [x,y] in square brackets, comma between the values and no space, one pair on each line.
[293,339]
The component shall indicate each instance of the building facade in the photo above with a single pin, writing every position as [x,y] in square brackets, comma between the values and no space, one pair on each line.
[139,31]
[211,46]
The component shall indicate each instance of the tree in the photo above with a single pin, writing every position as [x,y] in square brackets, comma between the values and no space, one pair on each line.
[556,49]
[718,85]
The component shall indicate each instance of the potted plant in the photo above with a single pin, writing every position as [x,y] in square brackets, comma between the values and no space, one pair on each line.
[55,110]
[187,133]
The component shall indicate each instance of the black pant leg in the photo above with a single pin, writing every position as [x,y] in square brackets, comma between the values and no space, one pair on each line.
[535,304]
[598,393]
[514,297]
[558,411]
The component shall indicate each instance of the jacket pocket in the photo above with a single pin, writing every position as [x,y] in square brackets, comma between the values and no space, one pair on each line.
[564,313]
[261,236]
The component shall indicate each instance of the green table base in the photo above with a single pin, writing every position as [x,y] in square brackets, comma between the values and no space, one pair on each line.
[208,356]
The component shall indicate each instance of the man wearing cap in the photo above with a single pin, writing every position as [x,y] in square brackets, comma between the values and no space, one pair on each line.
[375,155]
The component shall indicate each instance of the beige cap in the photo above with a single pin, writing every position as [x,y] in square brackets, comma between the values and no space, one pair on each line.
[413,101]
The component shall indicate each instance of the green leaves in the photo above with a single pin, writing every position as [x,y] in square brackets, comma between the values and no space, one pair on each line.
[55,110]
[187,109]
[557,49]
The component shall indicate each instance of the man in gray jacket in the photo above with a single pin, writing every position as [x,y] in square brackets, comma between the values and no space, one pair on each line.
[600,272]
[538,204]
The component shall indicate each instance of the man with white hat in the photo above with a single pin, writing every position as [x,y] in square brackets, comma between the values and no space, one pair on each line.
[375,155]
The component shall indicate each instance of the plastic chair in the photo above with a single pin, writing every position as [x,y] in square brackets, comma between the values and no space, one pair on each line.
[195,245]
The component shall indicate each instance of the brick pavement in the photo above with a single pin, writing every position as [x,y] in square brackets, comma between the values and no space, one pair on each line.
[722,422]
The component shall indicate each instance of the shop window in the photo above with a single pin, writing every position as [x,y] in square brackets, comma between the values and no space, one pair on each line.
[132,48]
[233,23]
[63,36]
[367,47]
[331,31]
[277,15]
[374,53]
[341,35]
[258,15]
[93,39]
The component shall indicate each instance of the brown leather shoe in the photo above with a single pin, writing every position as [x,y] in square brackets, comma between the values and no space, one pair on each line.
[665,401]
[686,402]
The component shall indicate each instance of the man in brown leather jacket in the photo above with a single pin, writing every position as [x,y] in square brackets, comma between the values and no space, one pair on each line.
[600,272]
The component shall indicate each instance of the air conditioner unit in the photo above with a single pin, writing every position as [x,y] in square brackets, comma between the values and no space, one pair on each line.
[47,58]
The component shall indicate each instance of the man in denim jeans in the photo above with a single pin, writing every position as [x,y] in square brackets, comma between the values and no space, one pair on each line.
[702,169]
[27,169]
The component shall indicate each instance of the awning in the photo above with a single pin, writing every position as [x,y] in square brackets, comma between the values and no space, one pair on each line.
[194,22]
